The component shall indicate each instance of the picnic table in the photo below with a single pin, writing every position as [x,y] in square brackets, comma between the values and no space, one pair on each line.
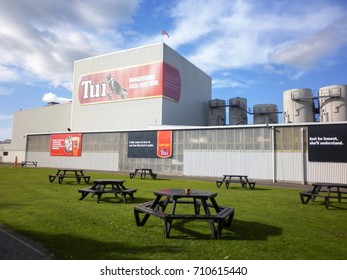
[100,187]
[327,191]
[143,172]
[216,216]
[242,179]
[61,174]
[26,163]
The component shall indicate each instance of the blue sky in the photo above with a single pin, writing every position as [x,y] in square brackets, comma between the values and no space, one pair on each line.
[251,48]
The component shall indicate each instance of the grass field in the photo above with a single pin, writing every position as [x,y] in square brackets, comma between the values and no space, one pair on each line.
[269,223]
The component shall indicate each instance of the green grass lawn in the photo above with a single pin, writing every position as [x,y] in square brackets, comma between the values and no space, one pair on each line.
[269,222]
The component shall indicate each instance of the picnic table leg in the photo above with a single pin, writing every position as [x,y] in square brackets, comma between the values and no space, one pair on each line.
[124,197]
[84,194]
[196,207]
[142,222]
[99,194]
[167,227]
[306,199]
[210,222]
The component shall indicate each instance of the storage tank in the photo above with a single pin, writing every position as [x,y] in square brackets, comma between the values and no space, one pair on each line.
[333,103]
[298,105]
[217,112]
[238,111]
[265,113]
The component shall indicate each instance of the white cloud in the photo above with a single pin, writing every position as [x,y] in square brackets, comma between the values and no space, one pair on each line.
[229,83]
[5,117]
[226,34]
[51,97]
[306,51]
[7,73]
[43,38]
[6,91]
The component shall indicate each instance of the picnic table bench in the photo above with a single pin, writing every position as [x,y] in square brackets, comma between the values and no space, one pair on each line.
[216,216]
[100,187]
[242,179]
[26,163]
[143,172]
[61,174]
[327,191]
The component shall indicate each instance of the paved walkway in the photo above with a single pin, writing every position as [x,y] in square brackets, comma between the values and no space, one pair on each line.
[14,246]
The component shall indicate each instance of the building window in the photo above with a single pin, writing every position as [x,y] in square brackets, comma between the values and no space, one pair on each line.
[5,154]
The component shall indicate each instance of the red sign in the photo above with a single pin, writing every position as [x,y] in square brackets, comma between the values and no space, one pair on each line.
[164,143]
[151,80]
[68,144]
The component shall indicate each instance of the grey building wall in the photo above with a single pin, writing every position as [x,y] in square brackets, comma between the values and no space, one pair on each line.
[47,119]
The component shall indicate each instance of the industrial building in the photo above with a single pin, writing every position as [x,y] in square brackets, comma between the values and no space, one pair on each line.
[149,107]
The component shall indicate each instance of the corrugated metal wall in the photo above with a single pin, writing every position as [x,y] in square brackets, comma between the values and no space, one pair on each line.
[205,152]
[215,164]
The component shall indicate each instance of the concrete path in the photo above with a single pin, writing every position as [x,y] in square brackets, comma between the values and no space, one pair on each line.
[14,246]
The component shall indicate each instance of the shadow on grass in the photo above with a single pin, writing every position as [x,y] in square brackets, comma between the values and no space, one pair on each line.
[66,247]
[119,200]
[239,230]
[70,247]
[150,179]
[237,188]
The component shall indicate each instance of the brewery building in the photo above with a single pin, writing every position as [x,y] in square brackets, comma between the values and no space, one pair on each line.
[149,107]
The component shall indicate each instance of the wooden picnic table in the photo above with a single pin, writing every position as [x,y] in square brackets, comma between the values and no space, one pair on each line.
[63,173]
[100,187]
[143,172]
[327,191]
[242,179]
[216,216]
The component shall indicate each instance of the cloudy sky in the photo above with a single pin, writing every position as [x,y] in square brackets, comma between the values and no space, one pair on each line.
[251,48]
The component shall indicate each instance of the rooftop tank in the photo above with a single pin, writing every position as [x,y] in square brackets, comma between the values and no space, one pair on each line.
[217,112]
[298,105]
[333,103]
[265,113]
[238,111]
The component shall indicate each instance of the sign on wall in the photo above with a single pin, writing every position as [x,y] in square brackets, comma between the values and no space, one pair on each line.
[145,81]
[69,144]
[327,143]
[150,144]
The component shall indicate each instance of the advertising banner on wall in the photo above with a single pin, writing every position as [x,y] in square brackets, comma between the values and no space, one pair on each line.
[150,144]
[327,143]
[145,81]
[68,144]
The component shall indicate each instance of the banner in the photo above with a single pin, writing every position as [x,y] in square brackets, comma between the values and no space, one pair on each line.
[164,144]
[69,144]
[150,144]
[327,143]
[151,80]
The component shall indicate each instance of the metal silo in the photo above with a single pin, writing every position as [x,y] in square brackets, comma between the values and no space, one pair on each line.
[333,103]
[298,106]
[265,113]
[217,112]
[238,111]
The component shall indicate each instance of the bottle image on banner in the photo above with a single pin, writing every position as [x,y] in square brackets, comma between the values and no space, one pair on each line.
[75,146]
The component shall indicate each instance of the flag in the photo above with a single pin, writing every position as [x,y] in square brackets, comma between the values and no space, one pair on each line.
[163,32]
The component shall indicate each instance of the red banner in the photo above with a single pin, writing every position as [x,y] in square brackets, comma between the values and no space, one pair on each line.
[69,144]
[164,143]
[151,80]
